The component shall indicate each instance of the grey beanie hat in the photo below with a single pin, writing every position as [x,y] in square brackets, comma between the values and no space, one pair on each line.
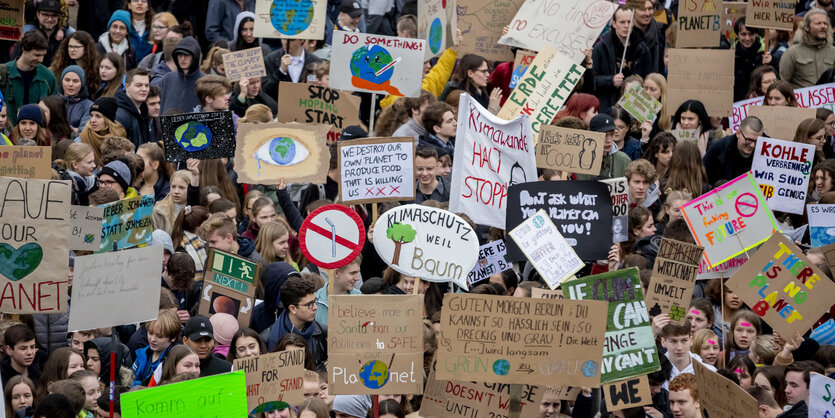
[119,171]
[354,405]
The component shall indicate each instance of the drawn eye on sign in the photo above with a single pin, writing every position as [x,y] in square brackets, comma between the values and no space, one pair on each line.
[265,153]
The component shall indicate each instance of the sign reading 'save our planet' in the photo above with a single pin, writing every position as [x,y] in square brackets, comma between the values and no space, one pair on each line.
[433,244]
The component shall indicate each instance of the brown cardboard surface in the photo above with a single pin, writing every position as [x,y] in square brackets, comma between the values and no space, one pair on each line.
[570,150]
[706,75]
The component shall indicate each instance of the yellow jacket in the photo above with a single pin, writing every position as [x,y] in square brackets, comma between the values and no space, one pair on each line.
[435,81]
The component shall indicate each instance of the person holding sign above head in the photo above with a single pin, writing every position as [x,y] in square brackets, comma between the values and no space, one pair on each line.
[344,278]
[289,64]
[731,156]
[684,397]
[299,300]
[797,388]
[677,340]
[249,93]
[805,61]
[198,334]
[439,121]
[428,186]
[614,161]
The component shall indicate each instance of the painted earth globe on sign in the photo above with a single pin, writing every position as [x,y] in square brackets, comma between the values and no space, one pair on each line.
[282,150]
[436,33]
[367,62]
[193,136]
[291,17]
[374,374]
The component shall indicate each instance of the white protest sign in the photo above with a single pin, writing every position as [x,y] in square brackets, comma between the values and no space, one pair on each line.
[821,394]
[620,206]
[782,169]
[821,96]
[547,250]
[433,244]
[491,260]
[437,21]
[491,154]
[569,26]
[85,227]
[726,269]
[376,170]
[377,63]
[290,19]
[821,224]
[247,63]
[124,284]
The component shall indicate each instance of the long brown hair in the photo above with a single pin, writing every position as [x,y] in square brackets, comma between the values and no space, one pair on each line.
[268,233]
[686,171]
[56,366]
[213,173]
[175,354]
[89,62]
[804,132]
[42,138]
[7,392]
[114,85]
[149,17]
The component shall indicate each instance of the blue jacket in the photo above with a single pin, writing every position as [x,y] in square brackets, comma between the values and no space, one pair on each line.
[178,87]
[134,120]
[220,18]
[143,367]
[78,107]
[140,43]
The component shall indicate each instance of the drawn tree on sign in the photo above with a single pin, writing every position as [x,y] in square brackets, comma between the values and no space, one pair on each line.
[400,234]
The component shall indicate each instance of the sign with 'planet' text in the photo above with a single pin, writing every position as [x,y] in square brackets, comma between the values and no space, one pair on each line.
[376,170]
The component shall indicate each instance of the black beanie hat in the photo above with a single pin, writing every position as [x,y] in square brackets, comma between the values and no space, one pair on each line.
[106,106]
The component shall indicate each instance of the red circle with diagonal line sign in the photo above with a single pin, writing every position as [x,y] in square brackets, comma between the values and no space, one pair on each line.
[332,236]
[746,205]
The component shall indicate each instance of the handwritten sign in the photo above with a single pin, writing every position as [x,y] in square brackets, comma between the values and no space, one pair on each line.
[223,394]
[121,283]
[620,206]
[376,170]
[204,136]
[25,162]
[821,389]
[375,345]
[638,103]
[730,219]
[821,224]
[682,135]
[733,11]
[127,223]
[571,150]
[377,63]
[491,155]
[33,245]
[627,393]
[491,260]
[272,378]
[629,345]
[783,287]
[229,286]
[582,210]
[541,242]
[317,104]
[437,22]
[706,75]
[430,243]
[699,24]
[721,397]
[481,24]
[814,97]
[291,19]
[724,270]
[543,89]
[520,66]
[85,227]
[11,17]
[247,63]
[502,339]
[673,278]
[268,152]
[781,121]
[771,14]
[537,293]
[782,169]
[562,24]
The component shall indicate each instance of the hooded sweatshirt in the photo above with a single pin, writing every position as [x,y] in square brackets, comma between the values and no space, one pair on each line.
[258,41]
[275,275]
[178,87]
[78,106]
[105,346]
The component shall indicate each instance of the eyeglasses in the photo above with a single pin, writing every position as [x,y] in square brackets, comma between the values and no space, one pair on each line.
[310,305]
[139,1]
[105,183]
[748,140]
[48,15]
[485,71]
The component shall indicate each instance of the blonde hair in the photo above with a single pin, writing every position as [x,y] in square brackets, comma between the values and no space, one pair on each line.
[167,19]
[213,58]
[664,121]
[167,205]
[219,223]
[167,324]
[257,113]
[75,153]
[763,347]
[672,195]
[700,337]
[268,233]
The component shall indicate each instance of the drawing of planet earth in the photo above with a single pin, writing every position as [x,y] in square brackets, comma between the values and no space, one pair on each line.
[16,264]
[436,33]
[501,367]
[291,17]
[374,374]
[370,59]
[282,150]
[193,136]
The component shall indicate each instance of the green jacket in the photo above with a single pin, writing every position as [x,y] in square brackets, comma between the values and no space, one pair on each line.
[612,166]
[43,84]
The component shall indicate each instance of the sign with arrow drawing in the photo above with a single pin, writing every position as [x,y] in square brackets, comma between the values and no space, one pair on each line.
[229,286]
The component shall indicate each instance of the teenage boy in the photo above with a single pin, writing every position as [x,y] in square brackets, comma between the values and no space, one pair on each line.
[178,91]
[220,232]
[429,186]
[767,406]
[344,279]
[213,92]
[132,112]
[439,121]
[684,397]
[20,354]
[299,317]
[797,387]
[198,334]
[677,340]
[162,333]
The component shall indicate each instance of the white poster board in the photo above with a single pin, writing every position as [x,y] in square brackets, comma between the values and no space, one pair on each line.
[782,170]
[292,19]
[437,22]
[547,250]
[376,169]
[85,227]
[491,260]
[821,394]
[821,224]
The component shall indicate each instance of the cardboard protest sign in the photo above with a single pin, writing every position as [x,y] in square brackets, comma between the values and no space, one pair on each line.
[620,207]
[814,97]
[549,253]
[723,398]
[627,393]
[733,11]
[229,286]
[682,135]
[629,345]
[781,122]
[247,63]
[537,293]
[433,244]
[543,88]
[673,278]
[565,393]
[771,14]
[782,169]
[204,136]
[491,260]
[502,339]
[783,287]
[268,152]
[437,25]
[581,209]
[821,224]
[223,394]
[12,20]
[520,66]
[562,24]
[272,378]
[481,23]
[491,155]
[724,270]
[706,75]
[34,226]
[829,253]
[292,19]
[85,227]
[699,24]
[110,282]
[638,103]
[127,223]
[570,150]
[376,170]
[821,396]
[309,103]
[730,219]
[25,162]
[443,397]
[377,63]
[375,345]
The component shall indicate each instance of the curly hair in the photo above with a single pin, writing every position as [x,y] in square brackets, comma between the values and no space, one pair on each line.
[643,168]
[89,60]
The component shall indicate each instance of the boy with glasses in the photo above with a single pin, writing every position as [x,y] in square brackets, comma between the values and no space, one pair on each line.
[49,15]
[297,296]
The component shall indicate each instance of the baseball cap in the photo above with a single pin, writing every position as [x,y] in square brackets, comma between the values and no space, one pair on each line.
[198,327]
[49,6]
[351,8]
[602,123]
